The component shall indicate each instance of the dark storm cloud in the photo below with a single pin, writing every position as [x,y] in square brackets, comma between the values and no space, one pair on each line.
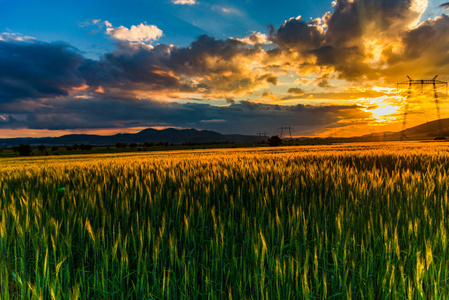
[425,48]
[216,66]
[221,65]
[347,61]
[337,47]
[323,81]
[244,117]
[431,37]
[38,70]
[295,34]
[296,91]
[132,66]
[11,122]
[352,20]
[338,40]
[444,5]
[194,60]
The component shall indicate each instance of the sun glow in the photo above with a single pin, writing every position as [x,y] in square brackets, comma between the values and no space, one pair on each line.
[386,110]
[385,90]
[384,113]
[374,47]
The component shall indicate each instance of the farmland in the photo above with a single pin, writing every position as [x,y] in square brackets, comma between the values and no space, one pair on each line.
[342,221]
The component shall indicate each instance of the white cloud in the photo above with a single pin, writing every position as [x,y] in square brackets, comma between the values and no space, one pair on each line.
[420,7]
[213,121]
[226,10]
[17,37]
[96,22]
[255,38]
[142,33]
[185,2]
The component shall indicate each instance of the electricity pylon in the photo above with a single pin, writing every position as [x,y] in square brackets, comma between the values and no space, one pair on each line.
[262,135]
[289,128]
[434,82]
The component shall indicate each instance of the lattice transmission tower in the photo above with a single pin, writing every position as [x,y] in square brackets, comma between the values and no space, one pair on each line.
[289,128]
[410,82]
[263,135]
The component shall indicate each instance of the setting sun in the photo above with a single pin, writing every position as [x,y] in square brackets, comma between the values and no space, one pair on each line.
[386,110]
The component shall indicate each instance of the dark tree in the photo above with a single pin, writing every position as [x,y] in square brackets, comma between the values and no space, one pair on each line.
[121,145]
[275,140]
[54,148]
[25,150]
[133,145]
[86,147]
[42,148]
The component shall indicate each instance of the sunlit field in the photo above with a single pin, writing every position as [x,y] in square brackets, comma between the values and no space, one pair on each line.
[356,220]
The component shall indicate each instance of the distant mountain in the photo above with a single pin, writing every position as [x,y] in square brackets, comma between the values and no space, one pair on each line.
[429,130]
[170,135]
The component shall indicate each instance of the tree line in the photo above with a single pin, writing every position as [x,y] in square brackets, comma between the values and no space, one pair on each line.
[27,149]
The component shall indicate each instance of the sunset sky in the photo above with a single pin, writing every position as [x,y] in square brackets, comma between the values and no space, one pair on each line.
[325,68]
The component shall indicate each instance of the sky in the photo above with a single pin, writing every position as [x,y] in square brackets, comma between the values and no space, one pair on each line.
[325,68]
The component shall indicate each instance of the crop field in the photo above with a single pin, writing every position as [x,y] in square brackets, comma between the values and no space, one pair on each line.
[361,221]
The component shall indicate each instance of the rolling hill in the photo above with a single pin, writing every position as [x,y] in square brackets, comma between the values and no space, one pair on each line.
[426,131]
[170,135]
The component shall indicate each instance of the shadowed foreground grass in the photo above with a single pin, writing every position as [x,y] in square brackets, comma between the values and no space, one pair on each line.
[362,221]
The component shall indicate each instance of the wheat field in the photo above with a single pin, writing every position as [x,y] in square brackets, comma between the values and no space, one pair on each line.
[361,221]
